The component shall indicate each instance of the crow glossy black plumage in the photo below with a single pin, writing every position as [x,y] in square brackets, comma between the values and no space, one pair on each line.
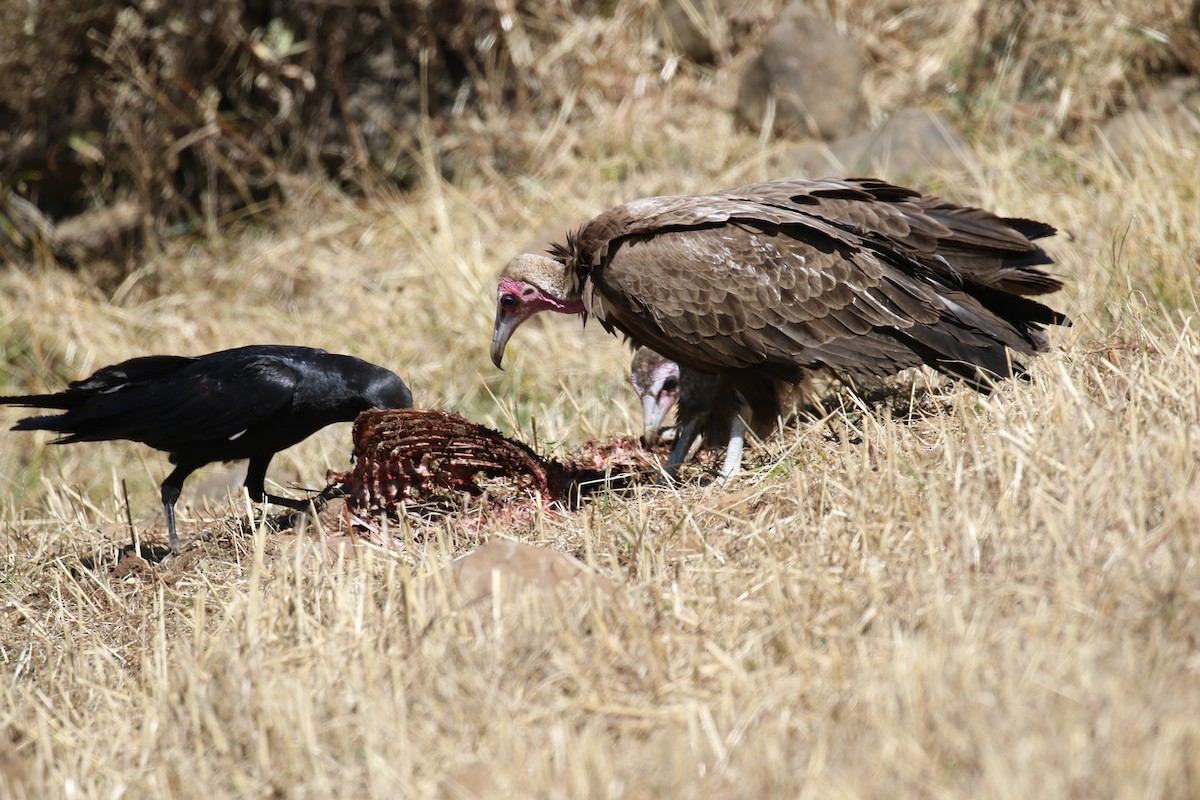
[249,402]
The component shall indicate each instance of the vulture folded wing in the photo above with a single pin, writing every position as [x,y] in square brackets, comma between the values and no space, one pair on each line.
[735,296]
[590,247]
[975,246]
[860,205]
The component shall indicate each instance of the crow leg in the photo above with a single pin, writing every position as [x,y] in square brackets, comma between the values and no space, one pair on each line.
[284,502]
[171,487]
[330,493]
[256,478]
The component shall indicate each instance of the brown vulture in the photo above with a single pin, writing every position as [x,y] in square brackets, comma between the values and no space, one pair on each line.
[656,381]
[706,404]
[768,282]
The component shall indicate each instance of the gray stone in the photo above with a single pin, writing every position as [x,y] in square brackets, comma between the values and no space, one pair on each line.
[806,79]
[1168,113]
[911,144]
[694,28]
[517,565]
[708,31]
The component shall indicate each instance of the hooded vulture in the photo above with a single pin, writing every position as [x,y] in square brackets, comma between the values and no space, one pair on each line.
[763,284]
[656,381]
[704,404]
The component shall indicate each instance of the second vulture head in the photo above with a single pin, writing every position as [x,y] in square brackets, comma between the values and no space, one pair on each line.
[656,381]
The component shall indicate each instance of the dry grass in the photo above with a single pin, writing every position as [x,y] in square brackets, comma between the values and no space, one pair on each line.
[979,597]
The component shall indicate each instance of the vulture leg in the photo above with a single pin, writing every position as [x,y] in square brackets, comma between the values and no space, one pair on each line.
[687,432]
[733,453]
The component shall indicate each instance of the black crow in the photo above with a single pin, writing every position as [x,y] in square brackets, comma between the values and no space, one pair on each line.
[249,402]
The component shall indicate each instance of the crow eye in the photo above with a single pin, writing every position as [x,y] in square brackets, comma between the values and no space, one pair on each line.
[508,301]
[670,385]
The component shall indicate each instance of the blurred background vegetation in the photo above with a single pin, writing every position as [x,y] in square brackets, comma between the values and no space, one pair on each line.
[123,124]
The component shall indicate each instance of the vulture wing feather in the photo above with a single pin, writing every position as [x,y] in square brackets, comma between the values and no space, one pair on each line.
[789,275]
[985,249]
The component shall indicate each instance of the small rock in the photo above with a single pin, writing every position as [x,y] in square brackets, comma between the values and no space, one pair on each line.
[708,31]
[517,563]
[475,780]
[14,774]
[812,73]
[693,28]
[1176,96]
[131,565]
[1168,112]
[911,144]
[1131,132]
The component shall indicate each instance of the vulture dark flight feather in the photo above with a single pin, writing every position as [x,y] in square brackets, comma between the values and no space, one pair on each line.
[767,282]
[250,402]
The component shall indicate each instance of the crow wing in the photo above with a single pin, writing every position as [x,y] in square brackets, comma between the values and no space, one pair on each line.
[118,377]
[206,401]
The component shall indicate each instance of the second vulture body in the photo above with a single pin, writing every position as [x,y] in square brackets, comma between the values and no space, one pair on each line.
[760,285]
[700,400]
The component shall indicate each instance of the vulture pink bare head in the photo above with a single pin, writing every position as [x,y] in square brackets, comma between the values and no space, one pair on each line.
[529,284]
[656,381]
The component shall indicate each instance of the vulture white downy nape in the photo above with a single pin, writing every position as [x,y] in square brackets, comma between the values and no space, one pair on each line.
[760,285]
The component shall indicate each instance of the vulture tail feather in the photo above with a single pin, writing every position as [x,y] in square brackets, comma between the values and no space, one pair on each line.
[1020,312]
[1029,228]
[980,366]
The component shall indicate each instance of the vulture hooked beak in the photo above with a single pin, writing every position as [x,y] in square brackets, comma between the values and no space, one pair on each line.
[506,323]
[518,300]
[653,412]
